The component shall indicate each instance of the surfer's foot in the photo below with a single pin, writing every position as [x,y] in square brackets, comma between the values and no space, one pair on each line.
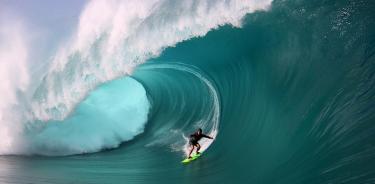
[198,152]
[189,157]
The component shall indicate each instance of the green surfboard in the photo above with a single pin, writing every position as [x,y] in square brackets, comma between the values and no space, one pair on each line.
[193,157]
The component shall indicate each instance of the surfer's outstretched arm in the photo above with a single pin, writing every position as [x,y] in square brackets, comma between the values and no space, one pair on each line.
[206,136]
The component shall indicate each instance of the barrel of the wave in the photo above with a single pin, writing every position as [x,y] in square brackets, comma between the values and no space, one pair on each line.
[113,113]
[209,121]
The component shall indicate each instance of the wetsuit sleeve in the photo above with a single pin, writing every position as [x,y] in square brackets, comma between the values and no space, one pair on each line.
[206,136]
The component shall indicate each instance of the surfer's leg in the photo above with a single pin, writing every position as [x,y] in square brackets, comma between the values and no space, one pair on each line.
[191,150]
[198,147]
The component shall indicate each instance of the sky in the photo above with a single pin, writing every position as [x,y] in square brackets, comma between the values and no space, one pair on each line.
[43,21]
[46,13]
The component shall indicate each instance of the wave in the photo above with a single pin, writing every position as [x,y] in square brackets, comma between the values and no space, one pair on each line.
[112,38]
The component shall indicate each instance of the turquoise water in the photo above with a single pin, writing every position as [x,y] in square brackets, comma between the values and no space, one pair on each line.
[290,95]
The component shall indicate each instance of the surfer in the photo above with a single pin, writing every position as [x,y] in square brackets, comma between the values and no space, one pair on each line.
[194,138]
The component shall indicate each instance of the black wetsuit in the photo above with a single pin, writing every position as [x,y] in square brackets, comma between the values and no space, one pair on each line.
[194,138]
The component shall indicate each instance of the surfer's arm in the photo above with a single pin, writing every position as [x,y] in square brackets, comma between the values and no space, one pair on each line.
[206,136]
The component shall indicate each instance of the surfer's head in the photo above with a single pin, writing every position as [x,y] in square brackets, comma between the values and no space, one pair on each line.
[199,131]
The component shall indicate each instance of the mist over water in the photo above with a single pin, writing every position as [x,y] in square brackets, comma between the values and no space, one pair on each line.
[287,91]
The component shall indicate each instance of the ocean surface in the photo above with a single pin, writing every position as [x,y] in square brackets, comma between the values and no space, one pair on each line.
[287,89]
